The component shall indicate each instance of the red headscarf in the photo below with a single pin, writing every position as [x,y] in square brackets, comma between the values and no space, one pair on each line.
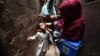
[71,12]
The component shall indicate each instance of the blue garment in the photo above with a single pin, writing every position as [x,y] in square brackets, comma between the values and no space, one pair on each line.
[57,32]
[45,11]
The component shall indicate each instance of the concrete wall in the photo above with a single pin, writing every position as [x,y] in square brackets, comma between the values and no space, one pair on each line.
[17,22]
[91,39]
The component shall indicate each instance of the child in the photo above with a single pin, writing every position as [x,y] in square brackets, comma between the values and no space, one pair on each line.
[44,35]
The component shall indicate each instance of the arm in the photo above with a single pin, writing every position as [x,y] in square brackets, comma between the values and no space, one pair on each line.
[32,37]
[48,23]
[51,38]
[55,14]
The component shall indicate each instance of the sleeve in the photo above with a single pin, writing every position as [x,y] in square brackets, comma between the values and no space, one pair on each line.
[51,38]
[32,37]
[44,11]
[54,10]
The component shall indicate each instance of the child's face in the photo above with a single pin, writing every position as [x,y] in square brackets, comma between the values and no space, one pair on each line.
[42,26]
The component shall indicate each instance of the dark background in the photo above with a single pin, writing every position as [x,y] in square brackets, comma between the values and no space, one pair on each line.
[19,17]
[91,11]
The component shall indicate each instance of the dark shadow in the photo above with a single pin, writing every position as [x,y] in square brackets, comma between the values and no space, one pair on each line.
[89,0]
[2,53]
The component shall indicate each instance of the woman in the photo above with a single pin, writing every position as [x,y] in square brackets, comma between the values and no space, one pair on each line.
[71,12]
[48,10]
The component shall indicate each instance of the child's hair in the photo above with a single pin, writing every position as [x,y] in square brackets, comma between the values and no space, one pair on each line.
[42,20]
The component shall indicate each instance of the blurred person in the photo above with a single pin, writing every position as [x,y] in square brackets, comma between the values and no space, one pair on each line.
[44,37]
[73,27]
[48,11]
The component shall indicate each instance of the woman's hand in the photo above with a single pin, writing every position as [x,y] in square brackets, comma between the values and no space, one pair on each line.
[52,17]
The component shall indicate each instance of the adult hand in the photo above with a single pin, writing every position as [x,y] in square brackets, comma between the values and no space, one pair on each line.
[52,17]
